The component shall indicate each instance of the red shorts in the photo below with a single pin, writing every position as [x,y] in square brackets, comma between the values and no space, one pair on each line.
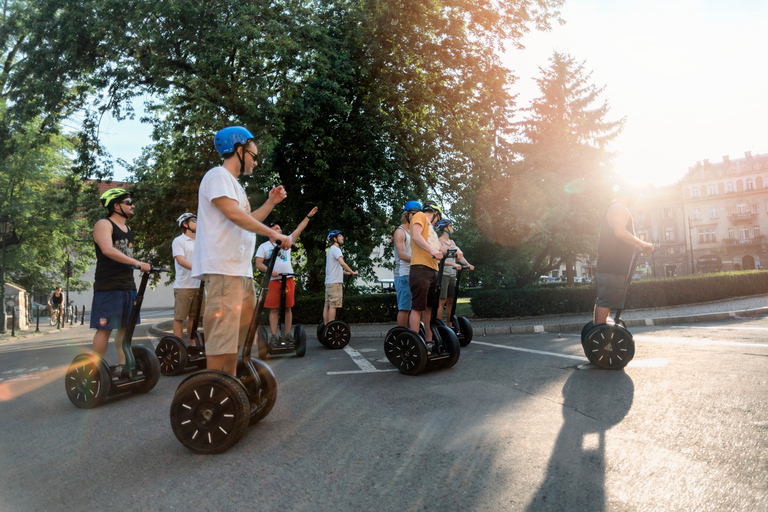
[273,293]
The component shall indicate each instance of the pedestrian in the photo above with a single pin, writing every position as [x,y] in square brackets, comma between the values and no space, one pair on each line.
[615,253]
[425,254]
[444,229]
[56,303]
[402,239]
[114,289]
[185,287]
[282,266]
[224,247]
[335,268]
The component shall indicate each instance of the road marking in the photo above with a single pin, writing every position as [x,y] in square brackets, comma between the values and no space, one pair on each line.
[362,363]
[724,327]
[540,352]
[668,339]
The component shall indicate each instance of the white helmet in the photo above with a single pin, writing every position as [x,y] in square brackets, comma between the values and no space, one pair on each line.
[184,217]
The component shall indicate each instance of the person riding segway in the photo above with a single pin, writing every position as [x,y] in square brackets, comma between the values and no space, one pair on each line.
[282,343]
[334,333]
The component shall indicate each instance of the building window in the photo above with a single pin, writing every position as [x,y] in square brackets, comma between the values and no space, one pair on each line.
[669,234]
[712,190]
[742,208]
[670,251]
[696,214]
[730,187]
[642,235]
[731,233]
[667,213]
[695,193]
[753,208]
[756,231]
[749,185]
[713,212]
[744,233]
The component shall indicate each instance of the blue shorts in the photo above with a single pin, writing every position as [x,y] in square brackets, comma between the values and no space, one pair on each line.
[111,310]
[403,290]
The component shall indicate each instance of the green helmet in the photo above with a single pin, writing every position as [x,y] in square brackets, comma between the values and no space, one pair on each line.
[112,195]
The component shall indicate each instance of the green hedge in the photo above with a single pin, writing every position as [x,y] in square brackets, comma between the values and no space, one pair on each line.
[645,293]
[367,308]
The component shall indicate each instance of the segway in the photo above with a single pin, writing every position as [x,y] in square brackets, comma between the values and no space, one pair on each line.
[459,324]
[212,409]
[299,345]
[408,350]
[336,334]
[175,354]
[610,345]
[90,380]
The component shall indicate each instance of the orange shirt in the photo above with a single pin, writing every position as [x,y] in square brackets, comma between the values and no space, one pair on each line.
[418,255]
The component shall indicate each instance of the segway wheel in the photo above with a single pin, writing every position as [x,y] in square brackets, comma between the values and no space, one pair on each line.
[465,328]
[450,344]
[210,412]
[337,334]
[146,363]
[585,330]
[262,338]
[410,354]
[262,395]
[389,343]
[320,334]
[87,381]
[609,346]
[300,335]
[172,355]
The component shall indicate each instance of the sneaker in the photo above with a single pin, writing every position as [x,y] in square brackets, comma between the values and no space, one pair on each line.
[289,338]
[117,372]
[272,340]
[430,345]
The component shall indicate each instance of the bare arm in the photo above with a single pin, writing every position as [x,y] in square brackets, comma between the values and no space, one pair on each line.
[276,195]
[346,267]
[232,211]
[303,224]
[418,239]
[184,262]
[402,252]
[102,235]
[618,217]
[461,259]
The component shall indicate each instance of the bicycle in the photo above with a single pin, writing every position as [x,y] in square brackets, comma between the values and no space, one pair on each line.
[56,312]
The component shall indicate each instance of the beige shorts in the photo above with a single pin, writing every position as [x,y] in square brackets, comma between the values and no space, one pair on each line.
[334,295]
[229,305]
[184,300]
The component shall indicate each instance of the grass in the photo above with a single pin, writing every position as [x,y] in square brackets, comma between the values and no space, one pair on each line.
[463,307]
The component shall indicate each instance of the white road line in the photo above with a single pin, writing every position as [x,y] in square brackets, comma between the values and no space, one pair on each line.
[671,339]
[540,352]
[724,327]
[362,363]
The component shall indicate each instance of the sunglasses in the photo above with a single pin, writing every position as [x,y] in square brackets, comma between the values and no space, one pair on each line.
[127,202]
[253,155]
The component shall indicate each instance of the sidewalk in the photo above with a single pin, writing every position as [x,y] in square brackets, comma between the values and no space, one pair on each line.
[45,328]
[703,312]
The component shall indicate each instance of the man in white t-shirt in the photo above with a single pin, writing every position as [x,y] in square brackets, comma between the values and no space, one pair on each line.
[335,268]
[282,266]
[185,287]
[226,239]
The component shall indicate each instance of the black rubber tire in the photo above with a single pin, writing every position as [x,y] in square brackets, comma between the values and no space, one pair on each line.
[609,346]
[210,412]
[465,328]
[262,338]
[586,329]
[172,355]
[262,398]
[410,354]
[337,334]
[320,334]
[450,345]
[389,342]
[88,381]
[147,363]
[300,337]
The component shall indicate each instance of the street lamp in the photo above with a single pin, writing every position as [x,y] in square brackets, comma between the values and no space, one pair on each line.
[5,229]
[656,245]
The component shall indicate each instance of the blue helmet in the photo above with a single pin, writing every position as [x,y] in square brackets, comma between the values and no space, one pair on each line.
[412,205]
[229,138]
[442,224]
[332,233]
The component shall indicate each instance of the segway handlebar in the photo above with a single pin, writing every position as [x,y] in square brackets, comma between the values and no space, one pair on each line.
[152,269]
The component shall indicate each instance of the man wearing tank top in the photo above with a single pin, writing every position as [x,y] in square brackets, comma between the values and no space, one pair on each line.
[615,253]
[402,239]
[114,289]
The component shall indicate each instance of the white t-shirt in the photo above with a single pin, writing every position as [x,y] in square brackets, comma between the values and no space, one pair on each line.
[184,246]
[283,263]
[222,247]
[333,271]
[402,267]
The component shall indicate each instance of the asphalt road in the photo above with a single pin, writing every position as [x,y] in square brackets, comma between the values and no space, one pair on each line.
[520,423]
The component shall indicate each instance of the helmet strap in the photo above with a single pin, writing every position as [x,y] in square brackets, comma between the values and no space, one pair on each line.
[120,213]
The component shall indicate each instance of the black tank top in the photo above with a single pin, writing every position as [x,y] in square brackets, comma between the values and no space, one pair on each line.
[57,299]
[110,274]
[613,255]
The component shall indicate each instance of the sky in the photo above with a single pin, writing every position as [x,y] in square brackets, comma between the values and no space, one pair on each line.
[689,75]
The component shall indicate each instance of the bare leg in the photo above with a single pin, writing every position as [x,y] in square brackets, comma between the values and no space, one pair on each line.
[178,328]
[402,317]
[288,320]
[274,316]
[449,312]
[100,341]
[119,335]
[601,315]
[225,362]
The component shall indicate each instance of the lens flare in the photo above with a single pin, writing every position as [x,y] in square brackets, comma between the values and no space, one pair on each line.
[509,211]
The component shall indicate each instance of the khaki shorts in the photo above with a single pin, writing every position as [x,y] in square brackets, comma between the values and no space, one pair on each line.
[447,287]
[334,295]
[184,300]
[229,305]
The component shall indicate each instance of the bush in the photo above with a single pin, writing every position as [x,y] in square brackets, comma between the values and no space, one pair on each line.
[365,308]
[646,293]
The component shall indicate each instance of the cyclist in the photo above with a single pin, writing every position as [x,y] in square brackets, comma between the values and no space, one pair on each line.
[56,304]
